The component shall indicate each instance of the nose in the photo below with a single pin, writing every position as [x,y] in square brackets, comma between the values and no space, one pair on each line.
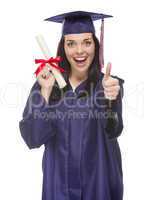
[79,49]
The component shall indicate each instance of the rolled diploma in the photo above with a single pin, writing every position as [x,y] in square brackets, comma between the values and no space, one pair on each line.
[57,74]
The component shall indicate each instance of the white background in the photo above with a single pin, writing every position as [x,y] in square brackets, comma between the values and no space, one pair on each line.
[20,21]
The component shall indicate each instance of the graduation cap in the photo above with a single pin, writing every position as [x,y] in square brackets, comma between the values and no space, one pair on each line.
[81,22]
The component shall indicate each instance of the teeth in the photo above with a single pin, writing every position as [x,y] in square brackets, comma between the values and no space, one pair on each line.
[80,59]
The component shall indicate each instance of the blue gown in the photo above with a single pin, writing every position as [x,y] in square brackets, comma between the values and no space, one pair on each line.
[82,159]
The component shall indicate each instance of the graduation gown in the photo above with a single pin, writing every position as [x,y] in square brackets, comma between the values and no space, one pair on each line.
[82,159]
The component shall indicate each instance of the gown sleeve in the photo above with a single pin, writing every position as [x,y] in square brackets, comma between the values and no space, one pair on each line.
[114,124]
[36,126]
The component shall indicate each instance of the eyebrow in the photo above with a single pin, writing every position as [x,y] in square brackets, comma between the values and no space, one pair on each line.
[74,40]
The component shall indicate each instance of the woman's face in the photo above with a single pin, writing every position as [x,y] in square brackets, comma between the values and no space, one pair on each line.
[80,51]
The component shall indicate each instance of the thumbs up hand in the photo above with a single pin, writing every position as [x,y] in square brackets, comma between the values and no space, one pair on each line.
[111,85]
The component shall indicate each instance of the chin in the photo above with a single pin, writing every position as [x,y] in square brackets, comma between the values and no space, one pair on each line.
[82,68]
[82,71]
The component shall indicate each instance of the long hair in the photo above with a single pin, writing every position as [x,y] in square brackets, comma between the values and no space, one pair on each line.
[93,71]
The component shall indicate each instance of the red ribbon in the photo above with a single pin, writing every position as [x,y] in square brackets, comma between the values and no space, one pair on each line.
[52,61]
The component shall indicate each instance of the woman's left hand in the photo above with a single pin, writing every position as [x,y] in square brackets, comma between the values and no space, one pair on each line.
[111,85]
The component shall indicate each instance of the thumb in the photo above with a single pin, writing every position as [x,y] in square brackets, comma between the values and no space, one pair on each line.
[108,71]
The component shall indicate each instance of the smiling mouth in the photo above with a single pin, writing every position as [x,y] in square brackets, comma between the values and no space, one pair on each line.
[80,61]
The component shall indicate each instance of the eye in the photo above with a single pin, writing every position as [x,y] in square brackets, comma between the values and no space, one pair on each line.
[70,44]
[88,43]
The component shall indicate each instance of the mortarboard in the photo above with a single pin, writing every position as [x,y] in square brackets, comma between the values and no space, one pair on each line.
[81,22]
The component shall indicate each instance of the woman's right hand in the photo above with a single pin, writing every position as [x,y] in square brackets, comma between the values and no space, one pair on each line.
[46,80]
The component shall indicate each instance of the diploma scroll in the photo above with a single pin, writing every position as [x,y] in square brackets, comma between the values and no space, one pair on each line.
[57,74]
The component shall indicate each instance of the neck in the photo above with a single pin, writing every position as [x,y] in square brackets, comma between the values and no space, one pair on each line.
[77,79]
[78,76]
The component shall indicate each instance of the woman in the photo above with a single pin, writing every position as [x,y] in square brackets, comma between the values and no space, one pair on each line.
[82,159]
